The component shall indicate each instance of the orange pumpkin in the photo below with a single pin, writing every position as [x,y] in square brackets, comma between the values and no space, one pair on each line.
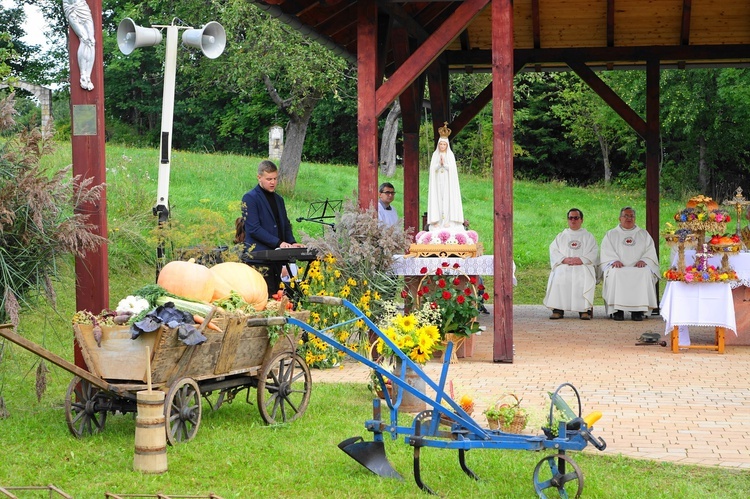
[187,279]
[245,280]
[222,289]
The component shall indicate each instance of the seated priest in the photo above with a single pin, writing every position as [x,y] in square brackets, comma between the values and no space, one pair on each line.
[573,256]
[630,269]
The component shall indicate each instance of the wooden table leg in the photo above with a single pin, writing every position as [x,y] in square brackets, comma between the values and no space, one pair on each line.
[675,339]
[720,339]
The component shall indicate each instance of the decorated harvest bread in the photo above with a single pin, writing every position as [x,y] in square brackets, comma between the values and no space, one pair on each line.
[709,203]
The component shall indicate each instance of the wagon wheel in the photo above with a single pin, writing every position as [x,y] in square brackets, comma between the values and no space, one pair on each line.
[550,473]
[83,412]
[182,411]
[284,386]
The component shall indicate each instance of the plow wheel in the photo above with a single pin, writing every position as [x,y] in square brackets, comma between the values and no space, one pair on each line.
[284,386]
[558,472]
[182,411]
[83,410]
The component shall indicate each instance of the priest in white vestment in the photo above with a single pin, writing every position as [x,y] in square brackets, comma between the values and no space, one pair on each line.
[630,269]
[573,256]
[444,206]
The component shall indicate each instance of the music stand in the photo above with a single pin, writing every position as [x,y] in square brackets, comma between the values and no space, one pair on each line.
[321,211]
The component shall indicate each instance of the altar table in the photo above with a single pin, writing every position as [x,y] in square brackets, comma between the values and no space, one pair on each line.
[479,265]
[698,304]
[740,262]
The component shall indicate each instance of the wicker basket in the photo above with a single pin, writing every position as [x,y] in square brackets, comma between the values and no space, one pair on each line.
[519,418]
[448,421]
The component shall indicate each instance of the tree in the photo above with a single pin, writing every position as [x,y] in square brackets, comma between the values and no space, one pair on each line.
[25,60]
[588,119]
[388,140]
[296,72]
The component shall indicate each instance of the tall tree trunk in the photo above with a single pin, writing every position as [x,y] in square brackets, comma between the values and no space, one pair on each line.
[605,155]
[296,129]
[388,144]
[702,167]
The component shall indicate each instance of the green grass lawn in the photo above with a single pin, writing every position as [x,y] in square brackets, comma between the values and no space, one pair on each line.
[234,454]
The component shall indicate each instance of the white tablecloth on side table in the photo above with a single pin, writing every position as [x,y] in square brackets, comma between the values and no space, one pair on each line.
[698,304]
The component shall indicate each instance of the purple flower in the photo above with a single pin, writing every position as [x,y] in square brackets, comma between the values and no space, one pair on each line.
[461,238]
[444,235]
[473,235]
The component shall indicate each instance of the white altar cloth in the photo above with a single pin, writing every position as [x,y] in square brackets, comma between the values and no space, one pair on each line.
[697,304]
[480,265]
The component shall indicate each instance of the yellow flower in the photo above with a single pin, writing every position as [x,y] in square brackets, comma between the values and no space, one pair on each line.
[425,342]
[351,282]
[419,356]
[406,322]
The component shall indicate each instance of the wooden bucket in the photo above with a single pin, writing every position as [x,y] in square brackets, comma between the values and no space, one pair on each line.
[150,434]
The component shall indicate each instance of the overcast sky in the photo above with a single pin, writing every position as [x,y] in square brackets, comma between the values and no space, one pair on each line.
[34,26]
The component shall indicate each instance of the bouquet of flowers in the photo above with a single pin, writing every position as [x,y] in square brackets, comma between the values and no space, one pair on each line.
[325,279]
[413,334]
[455,295]
[709,273]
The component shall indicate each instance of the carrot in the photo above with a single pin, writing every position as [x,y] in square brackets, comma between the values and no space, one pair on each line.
[200,320]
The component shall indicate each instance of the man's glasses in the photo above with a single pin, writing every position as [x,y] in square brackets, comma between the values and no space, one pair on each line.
[388,193]
[628,216]
[574,218]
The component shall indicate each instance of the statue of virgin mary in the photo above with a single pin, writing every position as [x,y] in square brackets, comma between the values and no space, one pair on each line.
[444,207]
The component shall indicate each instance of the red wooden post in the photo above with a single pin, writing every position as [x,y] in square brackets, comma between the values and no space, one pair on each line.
[367,118]
[502,164]
[87,112]
[653,144]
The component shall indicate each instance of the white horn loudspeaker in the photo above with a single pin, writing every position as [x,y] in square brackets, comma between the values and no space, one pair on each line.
[210,39]
[130,36]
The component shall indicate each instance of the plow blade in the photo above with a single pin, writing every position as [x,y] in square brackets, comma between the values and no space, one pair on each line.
[371,455]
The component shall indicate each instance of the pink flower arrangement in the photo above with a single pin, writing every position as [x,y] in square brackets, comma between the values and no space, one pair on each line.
[446,237]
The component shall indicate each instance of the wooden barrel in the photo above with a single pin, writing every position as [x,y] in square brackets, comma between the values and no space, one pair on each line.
[150,433]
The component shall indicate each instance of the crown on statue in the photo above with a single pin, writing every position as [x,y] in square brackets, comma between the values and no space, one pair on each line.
[444,131]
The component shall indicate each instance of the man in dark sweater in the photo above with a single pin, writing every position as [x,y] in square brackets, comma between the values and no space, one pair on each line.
[267,225]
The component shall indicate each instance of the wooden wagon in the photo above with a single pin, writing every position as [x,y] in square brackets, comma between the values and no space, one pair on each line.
[241,356]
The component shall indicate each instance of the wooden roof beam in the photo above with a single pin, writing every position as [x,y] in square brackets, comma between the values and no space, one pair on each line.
[610,97]
[687,7]
[427,53]
[414,29]
[610,23]
[603,55]
[536,24]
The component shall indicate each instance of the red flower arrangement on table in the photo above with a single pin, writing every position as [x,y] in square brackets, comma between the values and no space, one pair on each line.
[455,294]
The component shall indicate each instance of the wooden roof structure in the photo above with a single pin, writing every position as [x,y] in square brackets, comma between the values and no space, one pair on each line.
[401,47]
[546,33]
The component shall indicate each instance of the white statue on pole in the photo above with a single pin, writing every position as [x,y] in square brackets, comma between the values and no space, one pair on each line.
[445,213]
[78,14]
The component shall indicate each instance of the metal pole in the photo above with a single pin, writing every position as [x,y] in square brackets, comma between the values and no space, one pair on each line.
[161,209]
